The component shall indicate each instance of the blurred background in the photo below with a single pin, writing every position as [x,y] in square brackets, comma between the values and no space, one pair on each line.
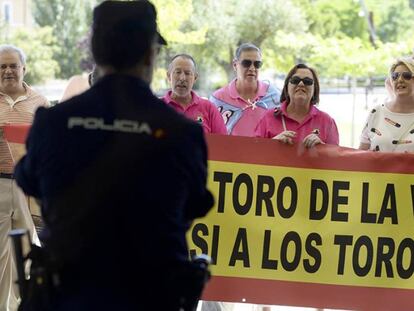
[351,43]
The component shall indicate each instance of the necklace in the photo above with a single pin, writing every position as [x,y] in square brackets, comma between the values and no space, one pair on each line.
[314,131]
[250,105]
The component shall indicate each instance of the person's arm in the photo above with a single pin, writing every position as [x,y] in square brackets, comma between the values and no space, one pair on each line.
[364,146]
[76,85]
[217,122]
[260,130]
[365,141]
[27,168]
[333,134]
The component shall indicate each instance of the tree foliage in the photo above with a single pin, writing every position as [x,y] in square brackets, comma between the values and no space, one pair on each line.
[70,20]
[331,35]
[39,45]
[232,22]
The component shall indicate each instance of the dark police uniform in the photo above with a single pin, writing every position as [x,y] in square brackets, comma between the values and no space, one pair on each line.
[120,176]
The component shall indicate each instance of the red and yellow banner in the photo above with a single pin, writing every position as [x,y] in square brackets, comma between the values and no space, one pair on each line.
[329,227]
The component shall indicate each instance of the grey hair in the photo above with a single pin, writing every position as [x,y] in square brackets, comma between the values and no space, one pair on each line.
[185,56]
[13,49]
[246,47]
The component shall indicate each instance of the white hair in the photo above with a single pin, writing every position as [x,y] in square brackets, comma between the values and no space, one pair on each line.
[13,49]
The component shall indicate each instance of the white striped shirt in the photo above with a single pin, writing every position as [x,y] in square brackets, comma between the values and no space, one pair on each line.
[19,111]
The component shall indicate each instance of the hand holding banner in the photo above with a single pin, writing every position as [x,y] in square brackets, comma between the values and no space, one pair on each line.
[327,227]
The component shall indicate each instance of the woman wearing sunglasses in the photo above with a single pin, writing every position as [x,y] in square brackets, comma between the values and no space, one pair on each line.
[298,120]
[390,126]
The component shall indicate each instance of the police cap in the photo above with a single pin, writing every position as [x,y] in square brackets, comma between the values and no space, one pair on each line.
[123,28]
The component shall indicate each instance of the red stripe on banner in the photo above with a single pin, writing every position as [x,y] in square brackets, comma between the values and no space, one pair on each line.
[306,294]
[16,133]
[264,151]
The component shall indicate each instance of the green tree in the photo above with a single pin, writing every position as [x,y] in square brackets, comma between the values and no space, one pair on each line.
[70,20]
[355,58]
[393,27]
[230,23]
[329,18]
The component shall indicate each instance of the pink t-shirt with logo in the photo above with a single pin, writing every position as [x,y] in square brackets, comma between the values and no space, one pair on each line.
[241,116]
[272,125]
[201,111]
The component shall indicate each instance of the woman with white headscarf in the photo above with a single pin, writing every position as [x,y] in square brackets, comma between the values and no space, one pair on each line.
[390,126]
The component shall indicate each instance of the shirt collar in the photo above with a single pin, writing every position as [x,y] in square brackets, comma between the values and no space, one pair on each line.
[195,99]
[20,98]
[262,89]
[283,107]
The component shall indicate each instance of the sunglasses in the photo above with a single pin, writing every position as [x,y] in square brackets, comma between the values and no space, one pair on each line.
[296,80]
[406,75]
[246,63]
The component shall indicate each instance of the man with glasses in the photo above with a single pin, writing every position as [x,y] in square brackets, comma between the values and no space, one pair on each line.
[18,103]
[245,100]
[182,74]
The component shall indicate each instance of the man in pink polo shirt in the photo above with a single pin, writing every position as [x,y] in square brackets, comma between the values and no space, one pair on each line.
[245,100]
[182,74]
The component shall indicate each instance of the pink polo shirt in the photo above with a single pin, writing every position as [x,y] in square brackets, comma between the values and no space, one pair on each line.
[272,125]
[241,116]
[200,110]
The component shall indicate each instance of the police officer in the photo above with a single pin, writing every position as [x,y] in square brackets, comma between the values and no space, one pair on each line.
[120,176]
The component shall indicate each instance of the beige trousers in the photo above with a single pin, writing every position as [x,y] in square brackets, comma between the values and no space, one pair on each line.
[14,214]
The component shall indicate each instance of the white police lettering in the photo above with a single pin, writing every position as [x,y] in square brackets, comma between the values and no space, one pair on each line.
[127,126]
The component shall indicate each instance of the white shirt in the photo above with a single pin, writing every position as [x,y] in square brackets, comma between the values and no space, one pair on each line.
[389,131]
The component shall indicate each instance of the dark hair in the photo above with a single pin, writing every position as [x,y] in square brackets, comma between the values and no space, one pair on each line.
[186,56]
[285,95]
[122,32]
[246,47]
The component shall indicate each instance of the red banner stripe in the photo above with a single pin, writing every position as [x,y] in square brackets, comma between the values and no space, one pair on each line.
[308,294]
[271,152]
[16,133]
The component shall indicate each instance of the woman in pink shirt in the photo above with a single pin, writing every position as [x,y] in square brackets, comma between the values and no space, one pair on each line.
[298,120]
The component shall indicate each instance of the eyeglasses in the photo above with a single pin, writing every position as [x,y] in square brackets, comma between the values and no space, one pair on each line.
[296,80]
[246,63]
[13,67]
[406,75]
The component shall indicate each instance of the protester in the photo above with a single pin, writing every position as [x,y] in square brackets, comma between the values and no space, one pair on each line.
[79,84]
[390,126]
[76,85]
[18,103]
[120,176]
[246,99]
[298,120]
[182,74]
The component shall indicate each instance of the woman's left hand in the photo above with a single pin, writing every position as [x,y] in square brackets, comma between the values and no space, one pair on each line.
[312,140]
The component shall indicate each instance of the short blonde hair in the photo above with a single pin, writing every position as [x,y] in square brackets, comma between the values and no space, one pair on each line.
[406,61]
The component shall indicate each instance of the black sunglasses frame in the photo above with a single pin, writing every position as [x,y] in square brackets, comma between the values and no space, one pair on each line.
[406,75]
[296,80]
[246,63]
